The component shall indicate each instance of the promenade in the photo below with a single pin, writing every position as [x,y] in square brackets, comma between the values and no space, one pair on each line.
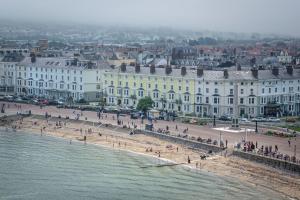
[204,132]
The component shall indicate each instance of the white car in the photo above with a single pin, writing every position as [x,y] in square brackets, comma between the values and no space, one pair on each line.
[273,119]
[244,120]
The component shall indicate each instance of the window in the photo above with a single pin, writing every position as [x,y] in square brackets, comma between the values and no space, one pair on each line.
[270,90]
[242,91]
[207,90]
[216,100]
[186,98]
[207,100]
[251,91]
[231,92]
[141,93]
[263,90]
[241,100]
[216,91]
[230,101]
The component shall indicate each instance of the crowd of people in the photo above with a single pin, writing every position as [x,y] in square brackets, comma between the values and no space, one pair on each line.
[269,151]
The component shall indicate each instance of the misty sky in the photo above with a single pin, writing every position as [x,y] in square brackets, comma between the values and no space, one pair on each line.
[263,16]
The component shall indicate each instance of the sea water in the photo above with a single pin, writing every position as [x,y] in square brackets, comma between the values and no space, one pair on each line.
[41,167]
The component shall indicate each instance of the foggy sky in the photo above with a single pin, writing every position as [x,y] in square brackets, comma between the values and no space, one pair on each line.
[262,16]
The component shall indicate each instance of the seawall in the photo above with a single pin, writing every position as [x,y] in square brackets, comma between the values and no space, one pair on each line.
[273,162]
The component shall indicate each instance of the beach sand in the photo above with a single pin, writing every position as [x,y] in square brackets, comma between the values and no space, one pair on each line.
[256,174]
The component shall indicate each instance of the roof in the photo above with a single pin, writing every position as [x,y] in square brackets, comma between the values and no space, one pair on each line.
[13,57]
[59,62]
[211,75]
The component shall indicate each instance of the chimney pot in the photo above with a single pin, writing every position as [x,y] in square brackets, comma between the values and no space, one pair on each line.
[275,71]
[183,71]
[137,68]
[254,72]
[199,72]
[225,73]
[289,70]
[123,67]
[152,69]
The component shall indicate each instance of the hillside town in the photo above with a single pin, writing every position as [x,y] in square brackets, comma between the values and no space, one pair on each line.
[183,76]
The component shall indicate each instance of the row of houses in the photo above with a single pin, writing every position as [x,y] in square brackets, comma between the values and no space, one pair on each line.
[272,92]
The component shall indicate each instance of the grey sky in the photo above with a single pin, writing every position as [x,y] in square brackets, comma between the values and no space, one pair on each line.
[264,16]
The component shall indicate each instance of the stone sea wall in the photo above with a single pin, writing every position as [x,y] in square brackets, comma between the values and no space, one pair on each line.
[182,141]
[273,162]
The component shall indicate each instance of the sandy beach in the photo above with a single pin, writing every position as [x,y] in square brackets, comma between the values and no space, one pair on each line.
[258,175]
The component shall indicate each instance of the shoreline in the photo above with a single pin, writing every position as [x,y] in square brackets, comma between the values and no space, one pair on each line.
[255,174]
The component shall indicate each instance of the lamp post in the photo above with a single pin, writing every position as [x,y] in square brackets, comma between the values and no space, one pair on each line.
[256,129]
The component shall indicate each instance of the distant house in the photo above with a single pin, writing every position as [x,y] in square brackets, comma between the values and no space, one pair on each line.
[284,57]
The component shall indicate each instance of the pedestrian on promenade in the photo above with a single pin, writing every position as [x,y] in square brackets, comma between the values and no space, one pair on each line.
[189,160]
[289,141]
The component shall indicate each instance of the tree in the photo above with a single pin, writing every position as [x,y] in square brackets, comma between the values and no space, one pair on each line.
[144,104]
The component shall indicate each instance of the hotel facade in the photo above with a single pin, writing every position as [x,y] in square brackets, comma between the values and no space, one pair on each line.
[203,93]
[193,91]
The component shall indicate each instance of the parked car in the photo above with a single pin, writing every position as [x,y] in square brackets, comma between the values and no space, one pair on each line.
[245,120]
[35,101]
[8,98]
[225,118]
[60,102]
[53,102]
[134,115]
[259,119]
[273,119]
[19,100]
[43,102]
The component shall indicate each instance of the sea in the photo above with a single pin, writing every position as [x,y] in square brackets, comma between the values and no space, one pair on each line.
[38,167]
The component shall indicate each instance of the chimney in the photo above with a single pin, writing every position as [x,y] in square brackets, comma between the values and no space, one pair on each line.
[137,68]
[289,69]
[225,73]
[183,71]
[168,69]
[199,72]
[275,71]
[123,67]
[254,72]
[152,69]
[33,59]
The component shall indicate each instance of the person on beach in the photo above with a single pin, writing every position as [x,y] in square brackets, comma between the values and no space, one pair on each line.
[189,160]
